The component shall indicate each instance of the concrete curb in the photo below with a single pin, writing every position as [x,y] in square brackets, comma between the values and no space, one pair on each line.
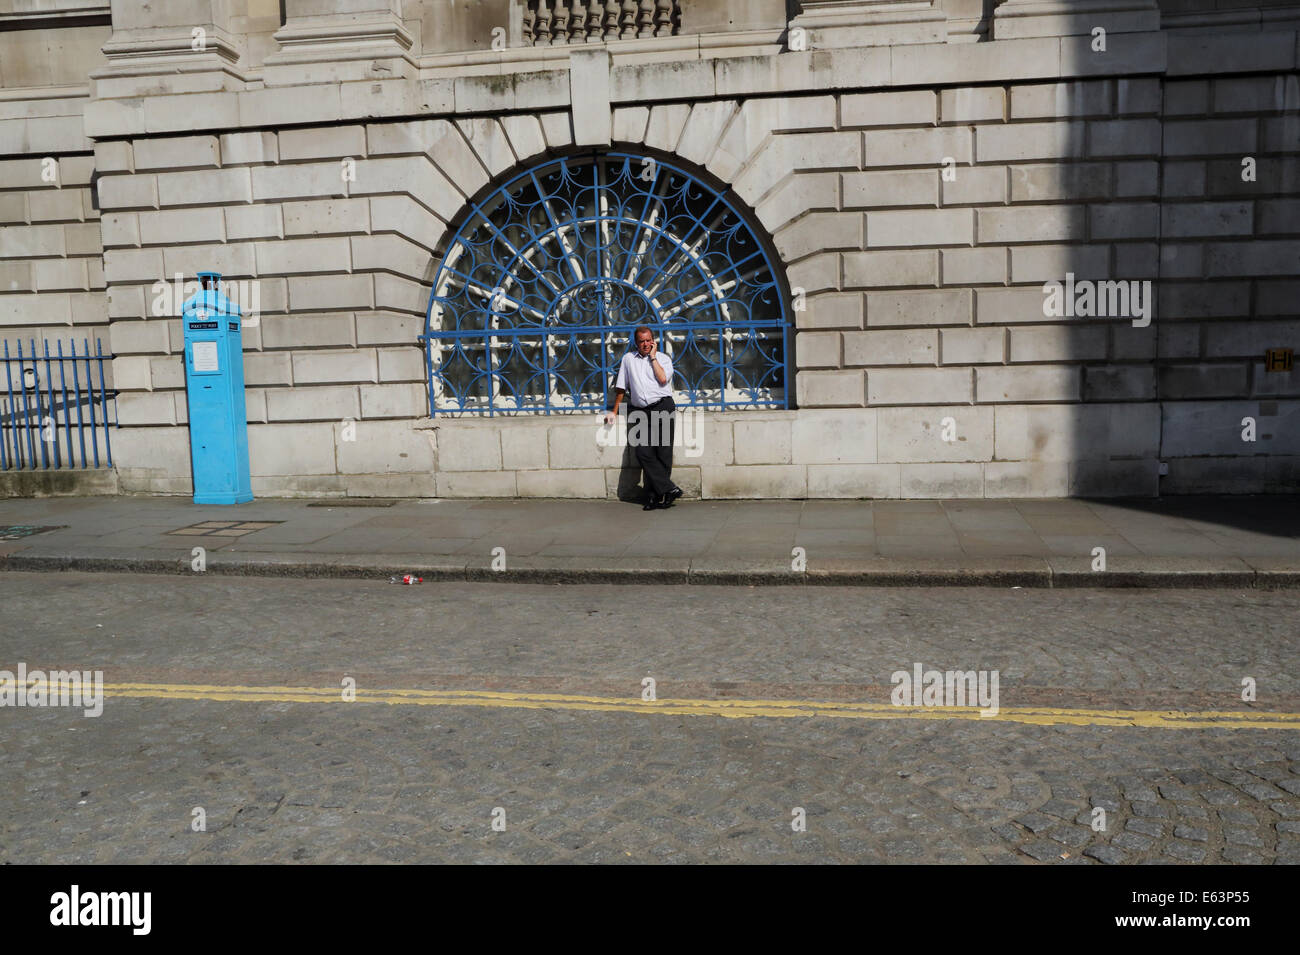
[1027,572]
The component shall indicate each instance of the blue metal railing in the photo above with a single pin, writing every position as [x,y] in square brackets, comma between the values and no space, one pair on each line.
[46,425]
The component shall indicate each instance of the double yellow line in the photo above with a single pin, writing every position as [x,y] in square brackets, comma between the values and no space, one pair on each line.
[732,709]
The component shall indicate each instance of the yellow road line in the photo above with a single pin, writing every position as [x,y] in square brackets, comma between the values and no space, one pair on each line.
[734,709]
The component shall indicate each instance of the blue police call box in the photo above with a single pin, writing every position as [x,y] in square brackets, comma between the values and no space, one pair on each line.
[214,385]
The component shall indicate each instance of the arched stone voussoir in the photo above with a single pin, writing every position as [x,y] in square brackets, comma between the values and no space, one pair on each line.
[704,129]
[439,139]
[489,141]
[526,136]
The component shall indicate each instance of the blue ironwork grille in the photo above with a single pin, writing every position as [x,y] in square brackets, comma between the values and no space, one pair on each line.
[536,299]
[54,409]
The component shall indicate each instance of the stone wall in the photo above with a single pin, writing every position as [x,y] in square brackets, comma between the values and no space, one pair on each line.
[338,226]
[51,269]
[920,196]
[1229,259]
[51,263]
[924,297]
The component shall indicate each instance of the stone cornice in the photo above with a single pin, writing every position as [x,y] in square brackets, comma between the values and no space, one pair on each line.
[138,60]
[329,41]
[356,31]
[44,92]
[1265,18]
[507,88]
[845,23]
[1032,18]
[168,49]
[56,14]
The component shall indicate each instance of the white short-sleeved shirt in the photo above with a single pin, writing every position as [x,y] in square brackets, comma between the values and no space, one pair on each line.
[636,376]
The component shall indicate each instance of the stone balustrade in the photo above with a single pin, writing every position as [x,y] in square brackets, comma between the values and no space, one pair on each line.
[559,22]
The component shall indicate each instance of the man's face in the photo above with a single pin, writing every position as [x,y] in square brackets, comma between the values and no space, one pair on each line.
[644,343]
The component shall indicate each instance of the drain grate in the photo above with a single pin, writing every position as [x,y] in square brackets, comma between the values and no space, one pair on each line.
[223,528]
[14,532]
[354,502]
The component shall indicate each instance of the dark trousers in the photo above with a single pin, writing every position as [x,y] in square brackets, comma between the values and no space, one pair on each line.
[650,432]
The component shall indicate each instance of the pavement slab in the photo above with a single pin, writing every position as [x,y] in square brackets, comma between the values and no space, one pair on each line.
[1167,542]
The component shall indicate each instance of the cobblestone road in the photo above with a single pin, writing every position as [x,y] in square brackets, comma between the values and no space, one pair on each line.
[332,782]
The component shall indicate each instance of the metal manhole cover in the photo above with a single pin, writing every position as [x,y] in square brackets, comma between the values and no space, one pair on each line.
[223,528]
[13,532]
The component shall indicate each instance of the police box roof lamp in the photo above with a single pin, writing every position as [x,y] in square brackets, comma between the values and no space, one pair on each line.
[209,279]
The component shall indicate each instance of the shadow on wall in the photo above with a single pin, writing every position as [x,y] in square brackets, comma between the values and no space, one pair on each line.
[986,19]
[629,479]
[1177,211]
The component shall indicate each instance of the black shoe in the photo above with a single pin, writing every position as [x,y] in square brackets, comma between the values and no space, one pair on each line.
[652,504]
[671,497]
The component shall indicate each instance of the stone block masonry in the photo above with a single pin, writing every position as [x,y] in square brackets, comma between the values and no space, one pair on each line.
[921,198]
[52,283]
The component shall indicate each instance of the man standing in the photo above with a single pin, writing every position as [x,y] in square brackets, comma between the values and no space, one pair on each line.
[646,377]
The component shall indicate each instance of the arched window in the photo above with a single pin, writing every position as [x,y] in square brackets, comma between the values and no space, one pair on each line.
[549,272]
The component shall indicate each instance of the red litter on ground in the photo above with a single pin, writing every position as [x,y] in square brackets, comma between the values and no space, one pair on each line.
[406,579]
